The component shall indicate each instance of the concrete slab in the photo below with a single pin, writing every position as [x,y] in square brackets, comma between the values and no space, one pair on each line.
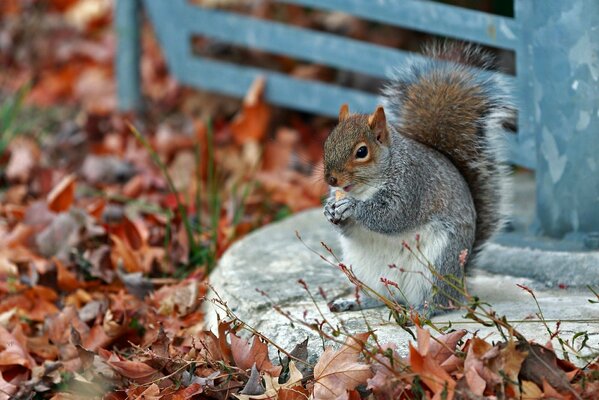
[273,259]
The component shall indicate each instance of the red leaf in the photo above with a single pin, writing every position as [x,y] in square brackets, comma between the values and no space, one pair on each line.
[252,122]
[62,196]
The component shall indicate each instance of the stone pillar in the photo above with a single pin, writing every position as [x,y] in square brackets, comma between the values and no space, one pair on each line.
[559,60]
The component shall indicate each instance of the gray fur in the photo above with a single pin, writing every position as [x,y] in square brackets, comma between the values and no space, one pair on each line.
[418,186]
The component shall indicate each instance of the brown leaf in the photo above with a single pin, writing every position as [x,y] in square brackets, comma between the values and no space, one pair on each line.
[339,371]
[245,355]
[67,281]
[551,393]
[62,196]
[294,393]
[188,392]
[530,391]
[123,253]
[508,364]
[24,155]
[443,347]
[6,388]
[431,373]
[252,122]
[540,365]
[151,393]
[12,352]
[478,375]
[134,370]
[225,348]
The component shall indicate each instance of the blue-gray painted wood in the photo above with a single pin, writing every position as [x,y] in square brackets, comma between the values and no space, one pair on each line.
[431,17]
[304,44]
[561,52]
[314,97]
[174,33]
[557,84]
[127,63]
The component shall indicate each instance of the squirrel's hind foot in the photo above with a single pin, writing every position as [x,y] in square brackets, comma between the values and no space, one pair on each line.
[344,304]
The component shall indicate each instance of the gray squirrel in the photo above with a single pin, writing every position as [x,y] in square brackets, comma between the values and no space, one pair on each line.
[421,180]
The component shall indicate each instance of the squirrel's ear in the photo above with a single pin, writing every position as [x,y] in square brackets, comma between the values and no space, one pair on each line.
[378,123]
[343,112]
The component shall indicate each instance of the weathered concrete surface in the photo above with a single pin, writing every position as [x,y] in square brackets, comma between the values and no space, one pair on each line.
[522,253]
[273,259]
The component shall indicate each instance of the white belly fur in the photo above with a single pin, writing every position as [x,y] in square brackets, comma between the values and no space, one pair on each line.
[369,254]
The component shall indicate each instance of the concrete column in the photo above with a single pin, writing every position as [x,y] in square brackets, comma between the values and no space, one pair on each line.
[559,60]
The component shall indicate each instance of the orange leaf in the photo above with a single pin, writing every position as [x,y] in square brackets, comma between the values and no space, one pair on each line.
[245,355]
[551,393]
[63,194]
[431,373]
[11,351]
[96,207]
[67,281]
[293,393]
[339,371]
[121,252]
[188,392]
[134,370]
[252,122]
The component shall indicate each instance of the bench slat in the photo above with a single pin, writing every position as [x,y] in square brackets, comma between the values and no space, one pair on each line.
[428,16]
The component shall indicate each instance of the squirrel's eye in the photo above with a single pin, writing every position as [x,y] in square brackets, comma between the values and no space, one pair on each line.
[362,152]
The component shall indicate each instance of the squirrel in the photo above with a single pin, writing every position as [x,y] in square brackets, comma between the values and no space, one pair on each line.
[422,178]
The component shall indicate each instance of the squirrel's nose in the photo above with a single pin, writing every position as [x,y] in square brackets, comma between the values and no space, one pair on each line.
[332,180]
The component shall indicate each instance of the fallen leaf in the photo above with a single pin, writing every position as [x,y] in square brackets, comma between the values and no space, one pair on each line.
[246,355]
[254,386]
[478,375]
[551,393]
[188,393]
[24,156]
[530,391]
[251,123]
[431,373]
[508,365]
[135,370]
[339,371]
[12,352]
[7,389]
[273,387]
[123,254]
[62,196]
[67,281]
[541,365]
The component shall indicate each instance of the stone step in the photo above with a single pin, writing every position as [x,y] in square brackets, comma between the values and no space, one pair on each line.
[273,260]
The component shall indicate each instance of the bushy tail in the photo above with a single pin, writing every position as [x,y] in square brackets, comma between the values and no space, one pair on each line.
[461,111]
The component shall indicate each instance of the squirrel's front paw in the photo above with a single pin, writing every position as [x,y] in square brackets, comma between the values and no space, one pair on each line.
[340,210]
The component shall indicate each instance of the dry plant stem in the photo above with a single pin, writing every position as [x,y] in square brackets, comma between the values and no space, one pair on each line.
[352,278]
[169,182]
[220,303]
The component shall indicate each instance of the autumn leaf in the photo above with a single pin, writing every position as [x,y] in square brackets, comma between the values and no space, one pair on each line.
[7,389]
[432,374]
[135,370]
[290,390]
[245,355]
[24,156]
[62,196]
[508,364]
[252,122]
[67,281]
[12,352]
[124,255]
[339,371]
